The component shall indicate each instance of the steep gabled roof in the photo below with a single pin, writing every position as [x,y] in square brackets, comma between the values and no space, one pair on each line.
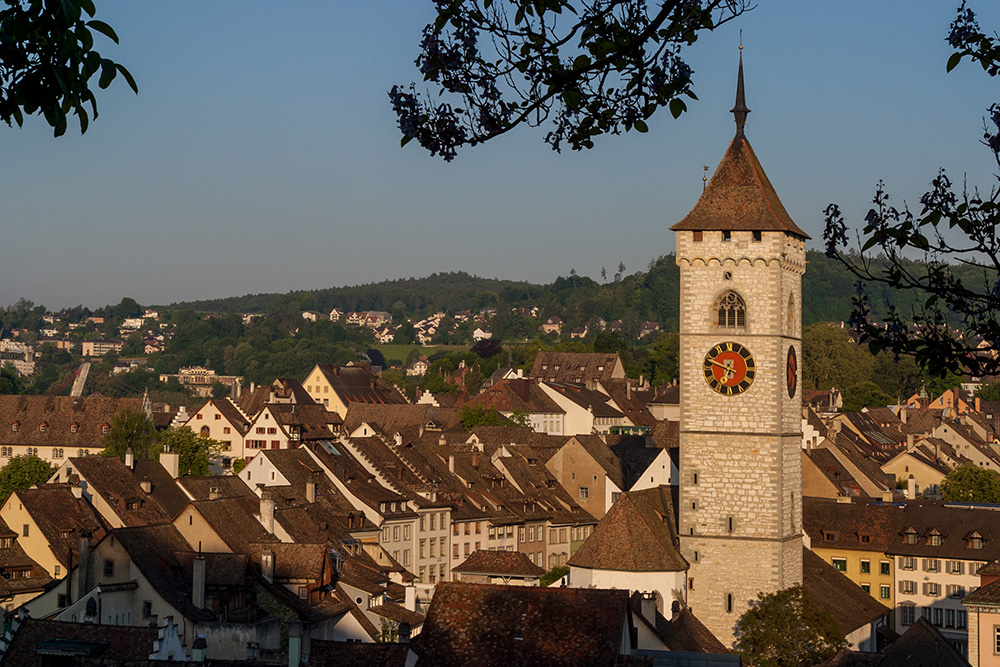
[357,384]
[636,535]
[922,646]
[739,197]
[834,592]
[58,513]
[113,481]
[499,564]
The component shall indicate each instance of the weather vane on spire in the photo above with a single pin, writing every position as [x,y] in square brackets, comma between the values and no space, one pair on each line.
[740,111]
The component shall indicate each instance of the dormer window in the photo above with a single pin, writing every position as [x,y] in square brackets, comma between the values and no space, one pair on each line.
[15,427]
[74,427]
[105,428]
[829,536]
[934,538]
[976,541]
[910,536]
[43,427]
[865,538]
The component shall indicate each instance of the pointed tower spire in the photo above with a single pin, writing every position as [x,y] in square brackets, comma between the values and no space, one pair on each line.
[740,111]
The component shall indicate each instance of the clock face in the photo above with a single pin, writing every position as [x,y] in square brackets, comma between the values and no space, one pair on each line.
[729,368]
[791,368]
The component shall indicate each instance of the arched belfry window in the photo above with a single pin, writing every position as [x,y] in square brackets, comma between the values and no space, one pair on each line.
[732,311]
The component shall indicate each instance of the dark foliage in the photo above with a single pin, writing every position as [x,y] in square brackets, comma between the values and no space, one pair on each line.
[581,68]
[953,228]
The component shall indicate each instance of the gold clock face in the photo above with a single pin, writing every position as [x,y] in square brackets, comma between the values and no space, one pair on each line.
[729,368]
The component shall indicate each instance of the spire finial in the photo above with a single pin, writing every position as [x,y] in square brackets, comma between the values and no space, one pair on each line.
[740,111]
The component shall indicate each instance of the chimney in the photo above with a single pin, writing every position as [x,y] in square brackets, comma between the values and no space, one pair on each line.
[411,598]
[451,463]
[977,403]
[129,459]
[442,440]
[475,460]
[398,439]
[310,490]
[294,643]
[199,649]
[83,566]
[649,607]
[198,582]
[909,442]
[911,488]
[267,511]
[902,414]
[213,493]
[146,485]
[77,491]
[403,633]
[887,497]
[171,461]
[267,566]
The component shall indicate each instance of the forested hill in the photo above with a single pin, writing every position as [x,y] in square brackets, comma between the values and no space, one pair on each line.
[650,295]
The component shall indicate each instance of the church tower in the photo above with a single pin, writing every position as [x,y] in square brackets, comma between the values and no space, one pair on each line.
[741,261]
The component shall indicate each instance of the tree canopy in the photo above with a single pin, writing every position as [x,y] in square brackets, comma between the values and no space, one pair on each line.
[971,483]
[953,228]
[48,60]
[787,628]
[130,429]
[582,69]
[21,472]
[196,451]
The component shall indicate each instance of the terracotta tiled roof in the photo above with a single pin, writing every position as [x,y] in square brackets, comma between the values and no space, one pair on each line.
[957,525]
[629,402]
[117,641]
[69,422]
[399,418]
[233,521]
[155,551]
[588,399]
[575,367]
[636,535]
[516,395]
[226,486]
[830,524]
[604,457]
[113,481]
[635,454]
[683,632]
[831,590]
[398,613]
[499,564]
[324,653]
[988,595]
[484,625]
[164,488]
[922,646]
[357,384]
[294,561]
[62,518]
[739,197]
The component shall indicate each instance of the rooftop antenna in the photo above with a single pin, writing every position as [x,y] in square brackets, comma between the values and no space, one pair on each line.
[740,110]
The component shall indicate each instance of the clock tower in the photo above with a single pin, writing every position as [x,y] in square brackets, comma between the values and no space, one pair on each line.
[741,261]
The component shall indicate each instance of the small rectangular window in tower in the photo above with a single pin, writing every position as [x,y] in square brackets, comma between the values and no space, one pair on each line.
[730,524]
[757,236]
[697,236]
[727,236]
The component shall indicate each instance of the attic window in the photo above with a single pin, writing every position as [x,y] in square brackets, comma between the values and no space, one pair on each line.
[74,427]
[757,236]
[105,428]
[727,236]
[910,536]
[697,236]
[15,427]
[975,541]
[829,536]
[43,427]
[865,538]
[934,539]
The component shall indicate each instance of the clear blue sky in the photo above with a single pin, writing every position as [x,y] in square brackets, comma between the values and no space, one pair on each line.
[261,154]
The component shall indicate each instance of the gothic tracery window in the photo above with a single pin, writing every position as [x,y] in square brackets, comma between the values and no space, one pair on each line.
[732,311]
